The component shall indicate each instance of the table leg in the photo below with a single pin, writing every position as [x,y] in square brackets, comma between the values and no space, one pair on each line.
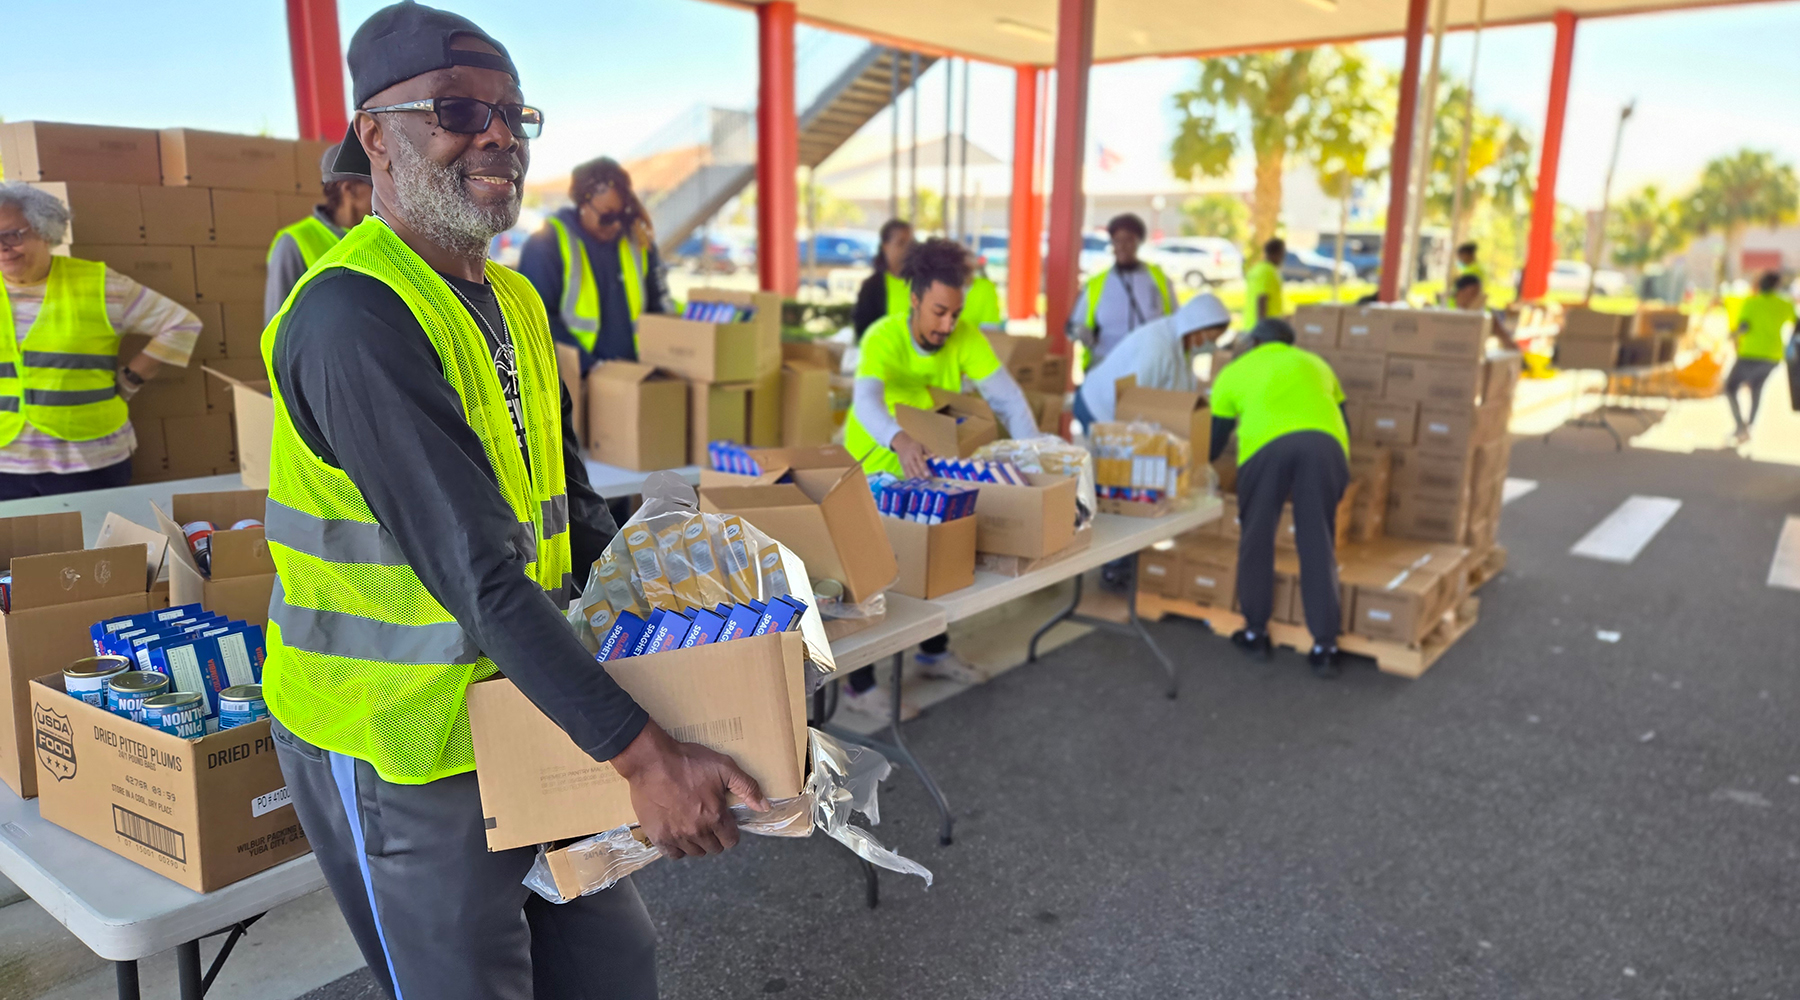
[1061,616]
[1133,626]
[897,750]
[126,974]
[187,968]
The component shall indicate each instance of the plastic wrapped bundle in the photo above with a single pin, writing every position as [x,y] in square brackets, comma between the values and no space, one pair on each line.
[844,780]
[1048,453]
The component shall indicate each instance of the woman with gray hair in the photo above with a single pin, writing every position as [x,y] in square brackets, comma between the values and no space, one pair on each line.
[63,422]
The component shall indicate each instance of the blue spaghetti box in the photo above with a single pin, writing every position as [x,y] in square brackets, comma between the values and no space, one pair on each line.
[143,619]
[780,616]
[196,663]
[642,645]
[740,623]
[706,628]
[668,632]
[622,637]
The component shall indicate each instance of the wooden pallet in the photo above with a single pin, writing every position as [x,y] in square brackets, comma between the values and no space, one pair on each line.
[1487,567]
[1394,658]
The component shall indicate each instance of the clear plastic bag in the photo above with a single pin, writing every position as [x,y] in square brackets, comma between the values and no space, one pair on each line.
[1048,453]
[845,779]
[673,556]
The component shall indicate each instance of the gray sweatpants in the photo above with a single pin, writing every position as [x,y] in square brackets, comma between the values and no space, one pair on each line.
[437,916]
[1309,467]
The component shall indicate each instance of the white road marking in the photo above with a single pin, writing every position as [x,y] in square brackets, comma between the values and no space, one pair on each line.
[1784,569]
[1627,530]
[1516,488]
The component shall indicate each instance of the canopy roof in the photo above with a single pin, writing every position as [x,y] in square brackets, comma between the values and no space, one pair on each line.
[1023,32]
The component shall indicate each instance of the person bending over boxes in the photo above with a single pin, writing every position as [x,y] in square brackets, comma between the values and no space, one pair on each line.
[1287,408]
[903,358]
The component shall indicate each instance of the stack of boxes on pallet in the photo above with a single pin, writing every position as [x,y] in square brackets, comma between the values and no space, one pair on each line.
[189,214]
[1598,341]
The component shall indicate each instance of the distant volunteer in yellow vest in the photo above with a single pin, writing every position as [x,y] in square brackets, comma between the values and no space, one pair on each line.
[1286,407]
[884,293]
[981,300]
[1761,319]
[1122,298]
[1466,262]
[1262,286]
[299,244]
[63,420]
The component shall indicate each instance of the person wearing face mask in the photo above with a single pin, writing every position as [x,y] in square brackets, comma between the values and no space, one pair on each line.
[427,507]
[596,266]
[63,420]
[1123,297]
[299,244]
[1160,354]
[884,292]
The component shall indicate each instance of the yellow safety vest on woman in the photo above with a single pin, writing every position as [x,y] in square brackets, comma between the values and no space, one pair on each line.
[362,660]
[310,235]
[1096,287]
[61,379]
[580,310]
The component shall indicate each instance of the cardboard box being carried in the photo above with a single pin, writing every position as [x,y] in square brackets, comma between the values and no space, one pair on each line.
[52,151]
[934,559]
[204,812]
[715,352]
[243,574]
[637,416]
[745,698]
[1030,521]
[827,516]
[58,590]
[955,426]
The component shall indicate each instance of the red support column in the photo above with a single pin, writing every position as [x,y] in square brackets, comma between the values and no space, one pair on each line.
[1074,56]
[1541,248]
[1400,161]
[1022,264]
[318,68]
[777,150]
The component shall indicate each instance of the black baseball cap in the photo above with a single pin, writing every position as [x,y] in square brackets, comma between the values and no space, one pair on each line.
[400,42]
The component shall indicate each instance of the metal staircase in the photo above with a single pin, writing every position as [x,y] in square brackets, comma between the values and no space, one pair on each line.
[694,179]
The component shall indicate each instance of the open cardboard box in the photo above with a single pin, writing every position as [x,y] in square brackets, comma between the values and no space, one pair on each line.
[715,352]
[243,574]
[1030,521]
[58,590]
[941,431]
[745,698]
[934,559]
[778,462]
[637,416]
[827,517]
[204,812]
[254,413]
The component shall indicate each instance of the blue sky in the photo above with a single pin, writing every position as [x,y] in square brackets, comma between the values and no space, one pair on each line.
[610,74]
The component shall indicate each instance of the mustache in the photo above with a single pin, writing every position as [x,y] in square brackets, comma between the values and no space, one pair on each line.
[497,162]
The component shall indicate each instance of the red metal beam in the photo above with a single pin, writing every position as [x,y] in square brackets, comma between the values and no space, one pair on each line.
[1400,161]
[777,150]
[1541,248]
[318,69]
[1022,222]
[1074,56]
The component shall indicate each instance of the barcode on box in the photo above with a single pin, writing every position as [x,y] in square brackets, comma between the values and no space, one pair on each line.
[268,802]
[1381,616]
[148,832]
[712,734]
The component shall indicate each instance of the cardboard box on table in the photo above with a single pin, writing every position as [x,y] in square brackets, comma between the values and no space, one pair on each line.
[1031,521]
[253,415]
[805,402]
[1580,323]
[196,158]
[1022,357]
[99,213]
[1046,410]
[1183,414]
[1053,374]
[169,270]
[204,812]
[637,416]
[827,517]
[1587,355]
[58,590]
[52,151]
[243,574]
[763,421]
[1316,327]
[956,425]
[933,559]
[1662,322]
[777,463]
[715,352]
[745,698]
[717,411]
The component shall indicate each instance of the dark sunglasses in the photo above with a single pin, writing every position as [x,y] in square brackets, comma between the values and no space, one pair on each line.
[614,218]
[468,116]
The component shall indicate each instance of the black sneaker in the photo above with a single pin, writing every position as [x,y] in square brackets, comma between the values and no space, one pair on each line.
[1255,646]
[1324,662]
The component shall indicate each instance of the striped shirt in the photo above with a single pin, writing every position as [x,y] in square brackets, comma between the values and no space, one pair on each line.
[132,309]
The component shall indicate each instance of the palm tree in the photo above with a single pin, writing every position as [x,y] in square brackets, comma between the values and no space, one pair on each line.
[1355,123]
[1645,228]
[1746,188]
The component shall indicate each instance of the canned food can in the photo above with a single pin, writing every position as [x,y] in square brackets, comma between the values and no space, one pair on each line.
[86,678]
[248,522]
[199,538]
[125,692]
[178,713]
[241,705]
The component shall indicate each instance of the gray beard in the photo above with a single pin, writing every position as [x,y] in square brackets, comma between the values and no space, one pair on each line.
[435,204]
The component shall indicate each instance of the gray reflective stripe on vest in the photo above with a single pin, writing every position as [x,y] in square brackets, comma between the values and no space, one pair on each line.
[9,404]
[69,397]
[572,289]
[8,370]
[331,539]
[526,540]
[337,633]
[556,515]
[62,359]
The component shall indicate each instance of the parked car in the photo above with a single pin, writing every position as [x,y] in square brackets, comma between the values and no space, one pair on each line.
[1308,265]
[1571,276]
[705,255]
[839,248]
[1361,251]
[1196,260]
[1096,254]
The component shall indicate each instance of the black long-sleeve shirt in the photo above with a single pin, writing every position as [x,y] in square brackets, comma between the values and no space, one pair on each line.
[871,303]
[367,394]
[540,261]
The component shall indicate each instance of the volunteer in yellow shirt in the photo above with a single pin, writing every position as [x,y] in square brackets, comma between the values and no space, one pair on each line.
[1287,409]
[1466,263]
[883,293]
[1262,285]
[981,300]
[1760,321]
[903,358]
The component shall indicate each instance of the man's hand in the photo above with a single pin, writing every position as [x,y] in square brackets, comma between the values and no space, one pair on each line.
[912,455]
[680,793]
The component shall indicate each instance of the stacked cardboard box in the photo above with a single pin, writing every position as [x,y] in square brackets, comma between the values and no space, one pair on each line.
[1592,340]
[189,214]
[733,370]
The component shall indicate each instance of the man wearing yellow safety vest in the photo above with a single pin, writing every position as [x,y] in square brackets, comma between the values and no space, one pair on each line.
[297,245]
[981,302]
[1123,297]
[596,266]
[427,509]
[884,293]
[63,421]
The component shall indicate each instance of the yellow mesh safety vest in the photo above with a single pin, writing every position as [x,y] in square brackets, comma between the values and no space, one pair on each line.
[362,660]
[1096,287]
[311,236]
[62,377]
[899,297]
[580,308]
[981,306]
